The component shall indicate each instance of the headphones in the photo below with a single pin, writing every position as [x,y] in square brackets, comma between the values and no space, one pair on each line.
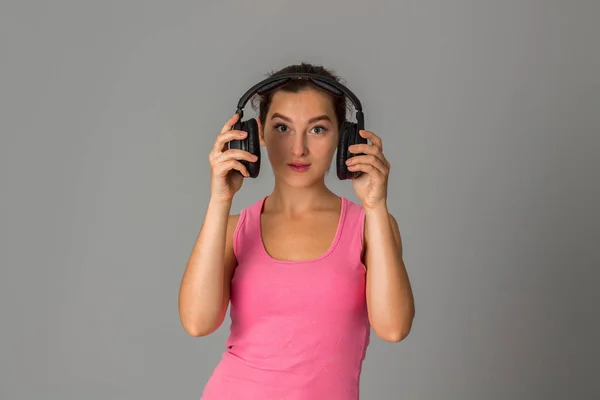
[349,131]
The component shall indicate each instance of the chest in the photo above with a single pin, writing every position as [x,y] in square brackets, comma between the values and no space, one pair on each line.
[299,239]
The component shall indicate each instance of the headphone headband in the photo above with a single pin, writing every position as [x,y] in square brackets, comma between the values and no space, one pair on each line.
[323,82]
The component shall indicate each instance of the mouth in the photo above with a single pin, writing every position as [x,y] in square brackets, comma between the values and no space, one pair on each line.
[299,167]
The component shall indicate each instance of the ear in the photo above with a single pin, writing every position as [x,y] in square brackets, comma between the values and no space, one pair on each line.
[261,133]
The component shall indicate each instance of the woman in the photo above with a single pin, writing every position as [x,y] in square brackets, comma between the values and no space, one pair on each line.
[308,273]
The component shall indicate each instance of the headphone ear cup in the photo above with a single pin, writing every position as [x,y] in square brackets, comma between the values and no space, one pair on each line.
[348,136]
[250,144]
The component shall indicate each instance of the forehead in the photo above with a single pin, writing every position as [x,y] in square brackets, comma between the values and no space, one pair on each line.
[305,103]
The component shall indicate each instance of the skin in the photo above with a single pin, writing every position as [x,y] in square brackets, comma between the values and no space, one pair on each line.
[299,127]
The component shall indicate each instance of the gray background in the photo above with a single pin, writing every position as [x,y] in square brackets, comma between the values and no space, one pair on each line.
[489,112]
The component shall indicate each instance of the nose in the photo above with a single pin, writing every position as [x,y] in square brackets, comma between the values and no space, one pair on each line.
[299,147]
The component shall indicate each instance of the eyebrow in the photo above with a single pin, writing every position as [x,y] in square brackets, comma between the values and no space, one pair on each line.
[314,119]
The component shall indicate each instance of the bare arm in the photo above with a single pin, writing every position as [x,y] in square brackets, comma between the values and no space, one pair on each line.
[389,294]
[205,287]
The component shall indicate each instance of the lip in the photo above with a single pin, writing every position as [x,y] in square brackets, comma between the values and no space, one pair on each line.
[299,167]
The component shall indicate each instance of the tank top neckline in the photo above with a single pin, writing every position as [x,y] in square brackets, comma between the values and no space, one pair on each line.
[336,238]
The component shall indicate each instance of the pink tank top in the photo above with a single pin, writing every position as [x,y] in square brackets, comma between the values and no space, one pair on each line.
[299,329]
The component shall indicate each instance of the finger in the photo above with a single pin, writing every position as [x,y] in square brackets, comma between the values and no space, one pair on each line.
[363,148]
[369,169]
[373,138]
[230,122]
[231,135]
[368,160]
[230,165]
[237,154]
[225,137]
[367,149]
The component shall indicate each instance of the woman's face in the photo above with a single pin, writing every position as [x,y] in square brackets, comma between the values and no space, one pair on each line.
[300,133]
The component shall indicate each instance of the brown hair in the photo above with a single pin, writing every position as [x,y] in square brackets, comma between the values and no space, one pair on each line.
[338,102]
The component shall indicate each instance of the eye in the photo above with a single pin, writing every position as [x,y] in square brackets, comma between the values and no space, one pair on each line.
[320,130]
[279,127]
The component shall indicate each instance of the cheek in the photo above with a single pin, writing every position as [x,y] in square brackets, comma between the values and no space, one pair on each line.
[325,149]
[277,148]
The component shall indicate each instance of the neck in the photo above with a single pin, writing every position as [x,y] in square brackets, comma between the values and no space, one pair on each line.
[292,201]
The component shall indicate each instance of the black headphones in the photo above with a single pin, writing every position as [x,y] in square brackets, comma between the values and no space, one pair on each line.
[348,131]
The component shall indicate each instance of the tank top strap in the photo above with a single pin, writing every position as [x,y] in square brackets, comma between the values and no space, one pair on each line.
[246,237]
[352,234]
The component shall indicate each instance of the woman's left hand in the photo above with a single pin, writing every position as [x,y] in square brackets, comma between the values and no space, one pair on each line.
[371,186]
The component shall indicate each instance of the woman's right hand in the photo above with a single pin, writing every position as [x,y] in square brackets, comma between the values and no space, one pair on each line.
[225,182]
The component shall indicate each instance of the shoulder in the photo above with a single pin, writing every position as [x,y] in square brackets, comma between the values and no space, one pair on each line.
[353,208]
[235,219]
[232,226]
[232,222]
[241,227]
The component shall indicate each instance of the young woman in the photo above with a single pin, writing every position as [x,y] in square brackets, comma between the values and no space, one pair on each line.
[308,273]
